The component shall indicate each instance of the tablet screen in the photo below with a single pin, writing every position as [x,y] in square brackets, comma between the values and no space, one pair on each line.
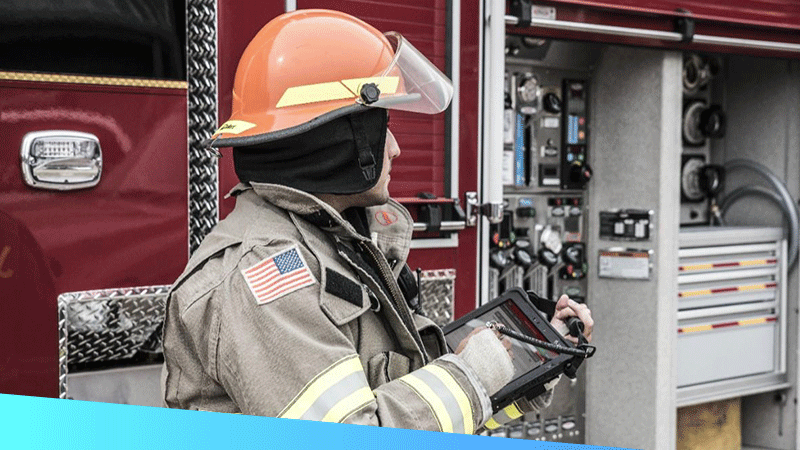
[526,356]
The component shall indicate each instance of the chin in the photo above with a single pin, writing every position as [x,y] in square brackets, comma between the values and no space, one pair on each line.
[380,200]
[376,198]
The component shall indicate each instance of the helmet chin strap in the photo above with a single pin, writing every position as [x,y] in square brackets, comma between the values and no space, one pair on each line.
[366,161]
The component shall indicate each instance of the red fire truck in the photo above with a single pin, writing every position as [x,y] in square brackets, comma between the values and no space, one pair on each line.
[587,141]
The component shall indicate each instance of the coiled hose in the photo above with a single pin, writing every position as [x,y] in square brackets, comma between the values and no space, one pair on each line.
[782,198]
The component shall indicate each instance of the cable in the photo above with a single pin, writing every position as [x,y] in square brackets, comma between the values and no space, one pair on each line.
[783,198]
[744,191]
[583,350]
[761,191]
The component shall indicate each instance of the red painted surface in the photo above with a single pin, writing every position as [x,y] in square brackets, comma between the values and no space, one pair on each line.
[238,22]
[468,152]
[464,257]
[129,230]
[762,13]
[734,22]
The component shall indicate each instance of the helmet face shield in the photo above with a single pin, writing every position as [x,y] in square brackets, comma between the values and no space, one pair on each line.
[424,88]
[410,83]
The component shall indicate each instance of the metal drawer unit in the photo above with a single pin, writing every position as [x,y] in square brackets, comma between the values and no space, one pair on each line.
[731,306]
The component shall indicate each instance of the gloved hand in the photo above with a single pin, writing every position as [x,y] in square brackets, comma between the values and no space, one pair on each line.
[489,355]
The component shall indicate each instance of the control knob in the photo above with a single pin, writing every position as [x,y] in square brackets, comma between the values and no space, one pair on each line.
[551,103]
[580,173]
[547,257]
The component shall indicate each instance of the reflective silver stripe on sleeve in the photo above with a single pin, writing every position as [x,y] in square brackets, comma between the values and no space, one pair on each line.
[431,399]
[482,411]
[332,395]
[448,400]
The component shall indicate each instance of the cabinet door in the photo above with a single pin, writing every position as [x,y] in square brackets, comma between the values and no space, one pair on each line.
[62,77]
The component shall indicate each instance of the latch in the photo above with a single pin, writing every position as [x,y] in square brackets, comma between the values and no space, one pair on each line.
[435,214]
[522,10]
[492,211]
[442,215]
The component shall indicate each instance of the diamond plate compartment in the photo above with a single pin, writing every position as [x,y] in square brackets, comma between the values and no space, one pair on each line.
[437,289]
[108,325]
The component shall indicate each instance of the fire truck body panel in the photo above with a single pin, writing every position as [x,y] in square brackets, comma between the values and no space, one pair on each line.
[136,226]
[128,230]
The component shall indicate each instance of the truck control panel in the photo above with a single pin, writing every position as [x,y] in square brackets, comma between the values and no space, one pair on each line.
[540,245]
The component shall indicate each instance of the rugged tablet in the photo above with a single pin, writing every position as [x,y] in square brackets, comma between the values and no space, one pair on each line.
[534,365]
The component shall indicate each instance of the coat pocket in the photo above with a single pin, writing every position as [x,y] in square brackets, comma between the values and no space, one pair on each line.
[387,366]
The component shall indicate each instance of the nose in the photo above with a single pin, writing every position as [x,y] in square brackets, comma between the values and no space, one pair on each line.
[391,147]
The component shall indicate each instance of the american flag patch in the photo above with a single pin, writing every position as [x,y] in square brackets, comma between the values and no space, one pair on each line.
[278,275]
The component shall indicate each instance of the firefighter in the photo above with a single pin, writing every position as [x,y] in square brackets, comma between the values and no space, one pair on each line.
[291,305]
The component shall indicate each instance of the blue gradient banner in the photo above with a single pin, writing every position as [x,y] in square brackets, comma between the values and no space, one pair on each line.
[42,423]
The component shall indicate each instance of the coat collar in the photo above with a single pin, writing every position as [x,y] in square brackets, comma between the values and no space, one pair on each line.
[390,224]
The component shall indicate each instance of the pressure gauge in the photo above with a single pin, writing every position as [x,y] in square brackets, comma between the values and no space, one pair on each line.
[528,88]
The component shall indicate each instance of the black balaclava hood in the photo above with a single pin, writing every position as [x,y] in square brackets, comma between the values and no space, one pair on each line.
[343,156]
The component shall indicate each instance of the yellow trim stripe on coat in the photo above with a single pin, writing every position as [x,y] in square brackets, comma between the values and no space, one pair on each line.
[334,394]
[492,424]
[334,90]
[349,404]
[458,393]
[429,396]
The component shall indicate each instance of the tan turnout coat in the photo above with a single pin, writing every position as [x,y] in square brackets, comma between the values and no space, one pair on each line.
[333,345]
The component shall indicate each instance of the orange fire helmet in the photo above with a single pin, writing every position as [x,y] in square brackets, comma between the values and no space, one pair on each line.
[308,67]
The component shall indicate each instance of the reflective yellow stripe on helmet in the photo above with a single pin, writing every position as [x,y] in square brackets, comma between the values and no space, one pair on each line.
[234,127]
[334,394]
[334,90]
